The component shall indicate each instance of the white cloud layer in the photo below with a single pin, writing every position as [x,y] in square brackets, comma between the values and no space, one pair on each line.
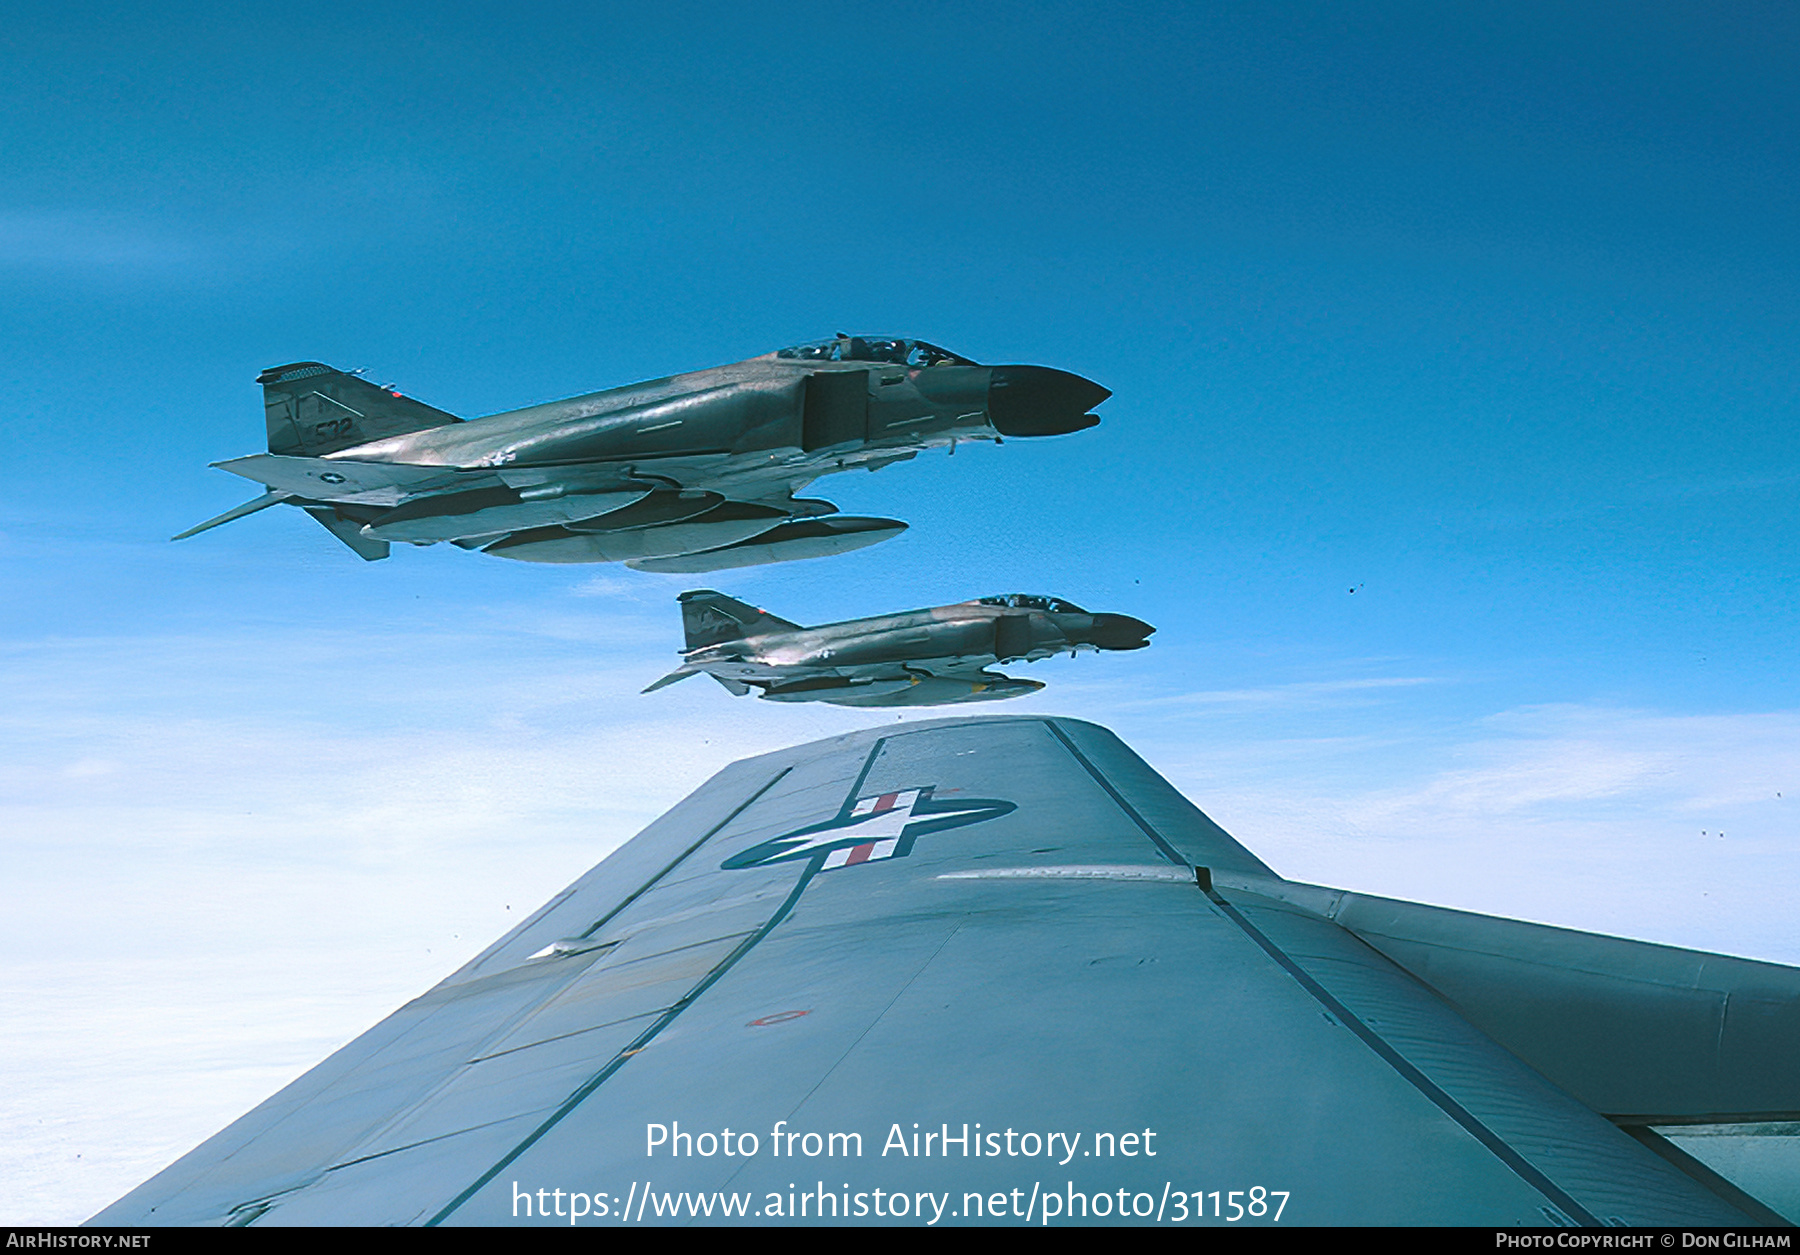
[1676,828]
[219,868]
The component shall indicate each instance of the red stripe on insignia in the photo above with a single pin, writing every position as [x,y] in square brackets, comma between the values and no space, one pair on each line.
[885,802]
[860,854]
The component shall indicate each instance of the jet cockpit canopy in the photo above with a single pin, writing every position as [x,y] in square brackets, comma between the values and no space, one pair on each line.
[1031,601]
[874,349]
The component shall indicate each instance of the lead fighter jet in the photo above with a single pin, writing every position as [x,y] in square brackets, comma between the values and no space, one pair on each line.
[917,658]
[695,472]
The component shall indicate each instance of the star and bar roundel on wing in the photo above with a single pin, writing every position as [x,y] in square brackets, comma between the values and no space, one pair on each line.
[878,826]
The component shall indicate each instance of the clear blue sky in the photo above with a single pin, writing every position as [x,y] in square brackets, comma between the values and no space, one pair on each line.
[1484,311]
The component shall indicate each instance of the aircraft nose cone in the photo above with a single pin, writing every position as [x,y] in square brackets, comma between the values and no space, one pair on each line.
[1041,401]
[1119,631]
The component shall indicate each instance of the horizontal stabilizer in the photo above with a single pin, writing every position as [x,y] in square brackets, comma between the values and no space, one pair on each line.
[326,479]
[737,688]
[674,677]
[249,507]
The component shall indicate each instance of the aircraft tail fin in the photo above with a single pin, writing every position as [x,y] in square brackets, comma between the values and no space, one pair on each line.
[711,618]
[313,410]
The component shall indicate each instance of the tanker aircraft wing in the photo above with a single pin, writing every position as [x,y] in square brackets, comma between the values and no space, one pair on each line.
[998,970]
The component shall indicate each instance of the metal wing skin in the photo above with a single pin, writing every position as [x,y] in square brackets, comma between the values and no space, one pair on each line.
[696,472]
[1012,939]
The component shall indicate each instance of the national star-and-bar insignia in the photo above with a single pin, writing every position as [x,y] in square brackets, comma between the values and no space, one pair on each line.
[879,826]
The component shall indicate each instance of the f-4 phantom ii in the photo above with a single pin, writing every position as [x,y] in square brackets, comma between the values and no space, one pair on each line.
[919,658]
[695,472]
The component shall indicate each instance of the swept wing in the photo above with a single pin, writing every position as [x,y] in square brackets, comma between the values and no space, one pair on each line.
[989,928]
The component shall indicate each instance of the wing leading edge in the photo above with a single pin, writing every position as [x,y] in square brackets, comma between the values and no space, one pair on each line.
[987,928]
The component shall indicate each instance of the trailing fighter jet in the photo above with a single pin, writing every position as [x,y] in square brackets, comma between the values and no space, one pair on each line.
[980,971]
[695,472]
[918,658]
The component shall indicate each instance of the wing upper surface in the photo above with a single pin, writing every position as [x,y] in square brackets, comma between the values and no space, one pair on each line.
[974,927]
[1648,1034]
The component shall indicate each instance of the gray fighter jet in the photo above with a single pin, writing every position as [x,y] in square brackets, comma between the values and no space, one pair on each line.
[919,658]
[695,472]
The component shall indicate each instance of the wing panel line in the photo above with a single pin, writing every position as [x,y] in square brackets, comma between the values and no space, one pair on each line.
[1163,847]
[1374,1041]
[643,1039]
[681,858]
[687,1000]
[867,767]
[1394,1059]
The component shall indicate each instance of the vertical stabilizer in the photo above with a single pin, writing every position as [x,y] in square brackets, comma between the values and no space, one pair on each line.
[314,410]
[710,618]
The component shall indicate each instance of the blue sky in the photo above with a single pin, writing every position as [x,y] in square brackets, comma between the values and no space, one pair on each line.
[1484,311]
